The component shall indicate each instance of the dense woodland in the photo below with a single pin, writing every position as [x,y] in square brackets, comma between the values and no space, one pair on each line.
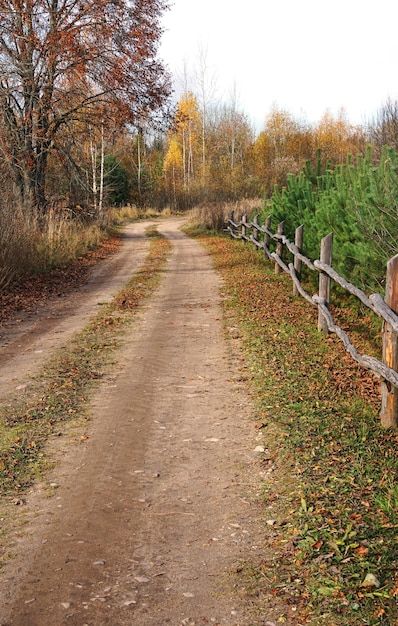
[88,122]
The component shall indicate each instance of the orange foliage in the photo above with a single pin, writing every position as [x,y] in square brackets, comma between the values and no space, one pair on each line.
[68,60]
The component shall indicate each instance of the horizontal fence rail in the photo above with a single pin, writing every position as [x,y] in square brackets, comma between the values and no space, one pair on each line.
[387,369]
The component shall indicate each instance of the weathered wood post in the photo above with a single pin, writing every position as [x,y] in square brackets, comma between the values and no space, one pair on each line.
[244,227]
[230,223]
[279,247]
[389,393]
[297,263]
[267,237]
[255,229]
[324,280]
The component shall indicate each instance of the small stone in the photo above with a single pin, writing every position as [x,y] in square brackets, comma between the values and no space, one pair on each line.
[66,605]
[141,579]
[188,594]
[19,501]
[99,562]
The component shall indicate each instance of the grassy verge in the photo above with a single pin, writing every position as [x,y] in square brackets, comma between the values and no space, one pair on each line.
[63,388]
[334,496]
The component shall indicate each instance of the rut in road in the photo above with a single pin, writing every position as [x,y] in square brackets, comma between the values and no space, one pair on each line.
[154,510]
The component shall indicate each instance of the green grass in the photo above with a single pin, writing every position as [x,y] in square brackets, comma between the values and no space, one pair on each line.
[64,387]
[334,490]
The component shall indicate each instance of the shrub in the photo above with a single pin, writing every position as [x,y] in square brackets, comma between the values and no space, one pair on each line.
[357,201]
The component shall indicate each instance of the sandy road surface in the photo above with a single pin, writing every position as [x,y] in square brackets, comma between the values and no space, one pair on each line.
[153,511]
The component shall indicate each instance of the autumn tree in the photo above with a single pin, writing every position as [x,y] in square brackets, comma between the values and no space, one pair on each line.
[383,129]
[335,137]
[59,61]
[281,148]
[173,164]
[206,86]
[143,158]
[229,142]
[182,163]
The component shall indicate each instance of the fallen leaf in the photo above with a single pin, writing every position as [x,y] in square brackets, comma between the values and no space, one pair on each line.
[361,550]
[370,580]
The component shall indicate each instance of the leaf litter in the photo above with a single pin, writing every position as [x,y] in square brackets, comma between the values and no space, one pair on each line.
[335,559]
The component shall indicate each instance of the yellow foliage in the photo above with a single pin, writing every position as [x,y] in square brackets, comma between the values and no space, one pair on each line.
[173,158]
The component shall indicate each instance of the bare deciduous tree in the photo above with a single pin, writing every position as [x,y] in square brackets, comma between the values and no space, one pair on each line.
[383,129]
[59,59]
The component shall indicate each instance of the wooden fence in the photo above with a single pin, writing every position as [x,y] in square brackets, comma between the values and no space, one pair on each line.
[386,309]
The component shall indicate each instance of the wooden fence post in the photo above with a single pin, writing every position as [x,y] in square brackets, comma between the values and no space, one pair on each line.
[243,232]
[279,247]
[324,280]
[389,393]
[232,221]
[297,263]
[255,229]
[267,237]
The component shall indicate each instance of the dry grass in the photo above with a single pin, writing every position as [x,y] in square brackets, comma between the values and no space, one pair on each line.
[132,213]
[17,243]
[29,246]
[213,216]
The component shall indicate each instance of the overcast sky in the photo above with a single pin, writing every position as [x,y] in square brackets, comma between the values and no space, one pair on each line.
[305,56]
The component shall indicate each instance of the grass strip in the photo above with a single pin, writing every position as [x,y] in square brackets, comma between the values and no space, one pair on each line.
[334,495]
[64,387]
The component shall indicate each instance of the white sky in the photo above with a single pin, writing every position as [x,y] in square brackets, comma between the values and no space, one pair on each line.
[305,56]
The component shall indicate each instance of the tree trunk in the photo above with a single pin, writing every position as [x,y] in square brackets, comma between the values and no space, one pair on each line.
[31,183]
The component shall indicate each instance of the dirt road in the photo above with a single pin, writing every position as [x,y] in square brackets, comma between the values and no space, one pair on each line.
[146,521]
[27,341]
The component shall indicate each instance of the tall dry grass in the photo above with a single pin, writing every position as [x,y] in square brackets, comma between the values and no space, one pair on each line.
[130,213]
[213,216]
[62,240]
[28,246]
